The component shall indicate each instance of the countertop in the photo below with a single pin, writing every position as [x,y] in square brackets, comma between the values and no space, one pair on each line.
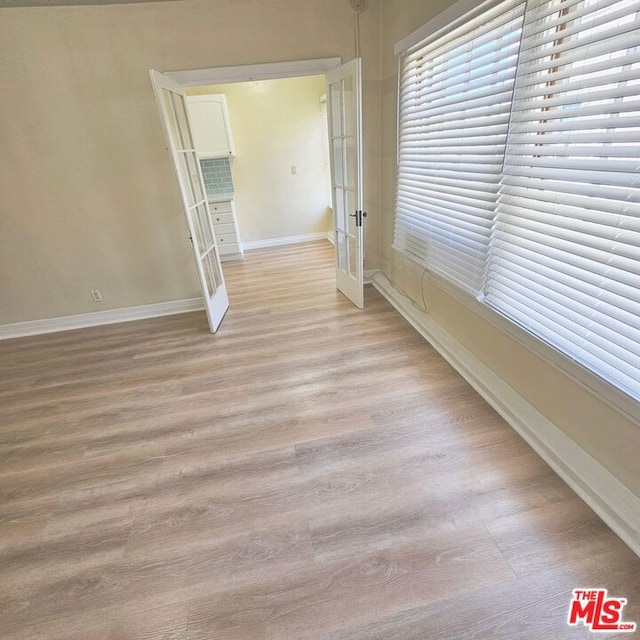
[220,198]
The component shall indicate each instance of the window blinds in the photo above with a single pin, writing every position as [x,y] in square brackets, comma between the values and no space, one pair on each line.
[454,103]
[564,259]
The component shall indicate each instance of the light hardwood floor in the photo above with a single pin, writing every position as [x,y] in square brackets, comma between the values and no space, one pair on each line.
[310,472]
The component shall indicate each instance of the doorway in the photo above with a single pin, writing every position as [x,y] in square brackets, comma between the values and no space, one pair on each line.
[276,178]
[343,83]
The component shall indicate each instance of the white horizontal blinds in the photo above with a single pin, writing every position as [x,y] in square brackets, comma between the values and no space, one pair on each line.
[565,252]
[454,102]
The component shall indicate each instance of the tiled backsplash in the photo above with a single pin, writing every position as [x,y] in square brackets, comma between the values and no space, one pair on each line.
[217,176]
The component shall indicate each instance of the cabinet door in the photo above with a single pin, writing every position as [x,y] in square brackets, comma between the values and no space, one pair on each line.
[210,121]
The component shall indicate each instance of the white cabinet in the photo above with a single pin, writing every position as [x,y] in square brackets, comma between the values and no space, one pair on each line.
[209,119]
[225,227]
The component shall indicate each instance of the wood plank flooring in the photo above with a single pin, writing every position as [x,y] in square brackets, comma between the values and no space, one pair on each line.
[310,472]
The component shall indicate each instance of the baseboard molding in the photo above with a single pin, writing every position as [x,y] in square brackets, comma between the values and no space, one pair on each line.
[110,316]
[231,257]
[618,507]
[278,242]
[369,275]
[330,237]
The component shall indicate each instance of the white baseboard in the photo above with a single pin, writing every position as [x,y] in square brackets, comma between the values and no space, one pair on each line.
[110,316]
[369,274]
[618,507]
[330,237]
[277,242]
[230,257]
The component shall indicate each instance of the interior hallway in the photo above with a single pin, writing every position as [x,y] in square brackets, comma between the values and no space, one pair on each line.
[311,471]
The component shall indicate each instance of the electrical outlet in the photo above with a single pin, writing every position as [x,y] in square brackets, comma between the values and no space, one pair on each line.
[96,295]
[294,170]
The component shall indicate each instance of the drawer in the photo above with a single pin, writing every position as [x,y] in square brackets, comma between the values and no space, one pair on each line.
[221,218]
[224,229]
[220,207]
[227,249]
[226,238]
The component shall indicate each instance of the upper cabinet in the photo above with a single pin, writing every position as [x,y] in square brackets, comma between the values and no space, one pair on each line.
[209,119]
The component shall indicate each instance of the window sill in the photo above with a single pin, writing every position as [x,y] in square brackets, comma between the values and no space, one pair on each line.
[596,385]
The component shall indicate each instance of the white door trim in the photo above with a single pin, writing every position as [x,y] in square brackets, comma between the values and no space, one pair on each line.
[249,72]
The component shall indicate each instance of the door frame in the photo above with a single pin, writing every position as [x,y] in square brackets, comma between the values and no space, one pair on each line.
[249,72]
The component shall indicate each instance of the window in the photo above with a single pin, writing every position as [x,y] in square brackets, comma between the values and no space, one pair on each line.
[562,258]
[455,98]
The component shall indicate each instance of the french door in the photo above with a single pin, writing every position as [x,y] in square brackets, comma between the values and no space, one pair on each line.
[170,97]
[344,107]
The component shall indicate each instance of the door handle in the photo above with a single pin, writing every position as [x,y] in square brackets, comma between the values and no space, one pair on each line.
[358,215]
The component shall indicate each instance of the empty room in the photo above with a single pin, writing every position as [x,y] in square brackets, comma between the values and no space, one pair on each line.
[415,416]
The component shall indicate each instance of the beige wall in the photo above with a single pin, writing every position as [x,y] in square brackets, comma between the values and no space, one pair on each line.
[277,124]
[88,194]
[604,433]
